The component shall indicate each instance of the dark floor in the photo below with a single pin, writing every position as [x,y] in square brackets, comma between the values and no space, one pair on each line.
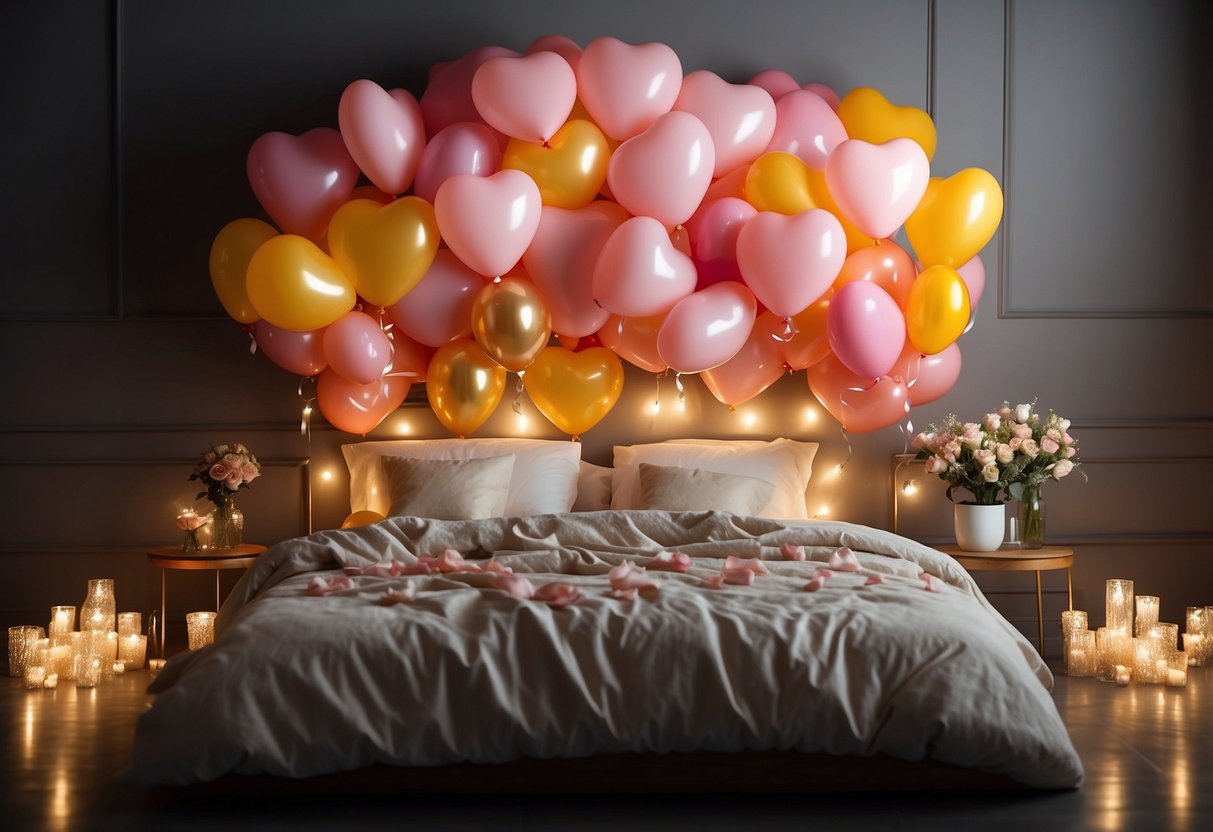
[1148,753]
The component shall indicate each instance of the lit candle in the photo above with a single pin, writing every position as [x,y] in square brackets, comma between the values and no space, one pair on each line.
[1119,604]
[200,627]
[1080,653]
[35,674]
[1123,673]
[132,649]
[110,650]
[1193,647]
[1143,662]
[51,681]
[128,623]
[88,671]
[1177,671]
[59,657]
[22,647]
[1147,614]
[118,668]
[154,666]
[63,621]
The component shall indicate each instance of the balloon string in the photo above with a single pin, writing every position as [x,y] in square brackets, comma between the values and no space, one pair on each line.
[516,405]
[305,419]
[657,398]
[252,338]
[787,333]
[682,393]
[846,437]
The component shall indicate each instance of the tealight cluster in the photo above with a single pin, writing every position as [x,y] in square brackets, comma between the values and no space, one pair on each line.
[1134,645]
[60,652]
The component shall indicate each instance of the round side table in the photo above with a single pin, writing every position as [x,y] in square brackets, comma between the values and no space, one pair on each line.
[171,557]
[1022,560]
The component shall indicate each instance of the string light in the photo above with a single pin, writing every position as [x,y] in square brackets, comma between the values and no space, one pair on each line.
[823,511]
[326,474]
[909,487]
[749,418]
[810,415]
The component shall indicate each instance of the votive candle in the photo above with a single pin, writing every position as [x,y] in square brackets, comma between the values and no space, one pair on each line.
[1177,670]
[200,627]
[1147,614]
[63,621]
[22,648]
[1119,604]
[1122,675]
[154,666]
[1166,638]
[88,670]
[51,681]
[35,675]
[118,668]
[1193,647]
[1080,653]
[132,649]
[1073,620]
[129,623]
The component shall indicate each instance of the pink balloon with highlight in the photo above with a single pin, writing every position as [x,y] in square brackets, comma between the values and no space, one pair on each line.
[826,94]
[858,403]
[878,186]
[714,230]
[806,127]
[776,82]
[439,308]
[528,97]
[447,98]
[358,408]
[463,148]
[384,133]
[791,261]
[927,377]
[566,48]
[665,171]
[357,348]
[755,367]
[489,221]
[626,87]
[866,329]
[301,353]
[301,181]
[639,271]
[740,118]
[707,328]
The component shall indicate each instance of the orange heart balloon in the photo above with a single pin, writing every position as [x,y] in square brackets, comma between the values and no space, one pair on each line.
[937,311]
[463,385]
[385,249]
[511,322]
[956,218]
[869,116]
[635,339]
[569,169]
[574,390]
[230,254]
[294,285]
[779,181]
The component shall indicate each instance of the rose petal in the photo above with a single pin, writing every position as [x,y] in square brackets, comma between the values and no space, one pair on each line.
[814,585]
[713,582]
[873,580]
[670,562]
[843,559]
[621,594]
[754,565]
[558,594]
[405,595]
[738,577]
[790,551]
[515,585]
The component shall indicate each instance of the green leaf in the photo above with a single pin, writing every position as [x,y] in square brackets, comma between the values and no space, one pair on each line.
[1015,489]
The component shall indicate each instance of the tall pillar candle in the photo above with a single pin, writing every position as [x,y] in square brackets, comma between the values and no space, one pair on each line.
[1119,605]
[63,621]
[129,623]
[131,650]
[1147,614]
[22,648]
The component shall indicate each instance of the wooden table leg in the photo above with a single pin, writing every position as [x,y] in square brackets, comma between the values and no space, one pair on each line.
[1040,614]
[216,590]
[163,610]
[1070,587]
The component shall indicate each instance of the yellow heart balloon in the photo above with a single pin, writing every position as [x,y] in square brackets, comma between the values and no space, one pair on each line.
[937,311]
[294,285]
[511,322]
[956,218]
[569,169]
[779,181]
[385,249]
[230,254]
[869,116]
[822,198]
[574,390]
[463,385]
[361,518]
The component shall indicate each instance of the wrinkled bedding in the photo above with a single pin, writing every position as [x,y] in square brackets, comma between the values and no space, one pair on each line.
[900,664]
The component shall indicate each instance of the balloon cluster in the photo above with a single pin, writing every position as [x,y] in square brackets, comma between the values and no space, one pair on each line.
[599,196]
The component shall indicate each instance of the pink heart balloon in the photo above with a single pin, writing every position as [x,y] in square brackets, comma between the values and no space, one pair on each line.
[791,261]
[927,377]
[561,259]
[447,98]
[439,308]
[383,132]
[301,180]
[714,230]
[826,94]
[461,148]
[357,348]
[973,273]
[640,272]
[856,402]
[707,328]
[624,87]
[755,367]
[776,82]
[528,98]
[488,221]
[301,353]
[665,171]
[806,127]
[358,408]
[740,118]
[866,329]
[566,48]
[878,185]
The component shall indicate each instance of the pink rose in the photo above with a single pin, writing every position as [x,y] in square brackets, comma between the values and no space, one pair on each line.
[1029,448]
[1061,468]
[992,421]
[951,451]
[1005,412]
[922,440]
[971,438]
[209,457]
[1049,445]
[249,471]
[218,472]
[983,456]
[1014,442]
[1054,434]
[1004,453]
[1071,452]
[990,473]
[936,465]
[233,479]
[1021,432]
[1067,438]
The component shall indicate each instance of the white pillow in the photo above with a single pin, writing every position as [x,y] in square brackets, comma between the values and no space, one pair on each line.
[694,489]
[544,480]
[448,489]
[593,488]
[784,463]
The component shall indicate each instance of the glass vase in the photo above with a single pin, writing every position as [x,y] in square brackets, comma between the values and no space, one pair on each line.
[227,526]
[99,609]
[191,543]
[1032,519]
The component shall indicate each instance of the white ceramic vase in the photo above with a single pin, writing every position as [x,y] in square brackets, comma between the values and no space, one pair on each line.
[979,528]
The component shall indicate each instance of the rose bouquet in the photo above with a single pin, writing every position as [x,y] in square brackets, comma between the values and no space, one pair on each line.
[224,470]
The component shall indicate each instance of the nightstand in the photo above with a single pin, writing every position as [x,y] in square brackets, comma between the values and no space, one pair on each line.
[171,557]
[1022,560]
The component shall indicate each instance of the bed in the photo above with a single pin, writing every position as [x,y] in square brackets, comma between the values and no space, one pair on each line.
[475,625]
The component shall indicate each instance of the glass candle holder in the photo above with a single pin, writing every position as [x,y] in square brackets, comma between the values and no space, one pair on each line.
[1122,674]
[1073,620]
[1147,614]
[1107,655]
[129,623]
[1165,637]
[22,648]
[99,609]
[63,621]
[201,628]
[154,666]
[35,675]
[1193,647]
[1177,670]
[131,650]
[88,670]
[1080,653]
[1119,605]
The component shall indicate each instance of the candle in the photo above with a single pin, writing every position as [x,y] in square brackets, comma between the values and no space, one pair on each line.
[129,623]
[1177,671]
[110,642]
[1119,604]
[1143,662]
[59,657]
[1165,637]
[1193,647]
[201,628]
[1073,620]
[63,621]
[22,647]
[118,668]
[154,666]
[1122,674]
[88,671]
[51,681]
[35,674]
[132,649]
[1080,653]
[1147,614]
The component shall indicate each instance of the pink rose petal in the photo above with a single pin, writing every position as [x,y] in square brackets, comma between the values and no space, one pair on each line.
[790,551]
[713,582]
[497,567]
[823,574]
[515,585]
[873,580]
[558,594]
[670,562]
[738,577]
[621,594]
[753,565]
[321,585]
[843,559]
[814,585]
[627,576]
[405,595]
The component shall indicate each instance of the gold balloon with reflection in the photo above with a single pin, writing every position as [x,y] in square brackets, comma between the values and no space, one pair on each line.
[570,168]
[463,385]
[511,322]
[230,254]
[574,390]
[361,518]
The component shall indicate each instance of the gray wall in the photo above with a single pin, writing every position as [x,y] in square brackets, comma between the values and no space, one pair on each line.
[128,125]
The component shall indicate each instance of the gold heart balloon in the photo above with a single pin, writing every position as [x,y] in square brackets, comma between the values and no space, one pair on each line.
[296,286]
[869,116]
[463,385]
[230,254]
[569,169]
[385,249]
[574,390]
[779,181]
[511,322]
[956,218]
[937,311]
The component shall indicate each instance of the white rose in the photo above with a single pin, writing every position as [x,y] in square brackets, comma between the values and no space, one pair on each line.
[1022,412]
[1064,424]
[1061,468]
[1029,448]
[983,456]
[990,473]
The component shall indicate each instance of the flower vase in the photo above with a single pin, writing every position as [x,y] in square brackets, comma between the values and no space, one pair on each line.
[979,528]
[228,525]
[191,543]
[1032,519]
